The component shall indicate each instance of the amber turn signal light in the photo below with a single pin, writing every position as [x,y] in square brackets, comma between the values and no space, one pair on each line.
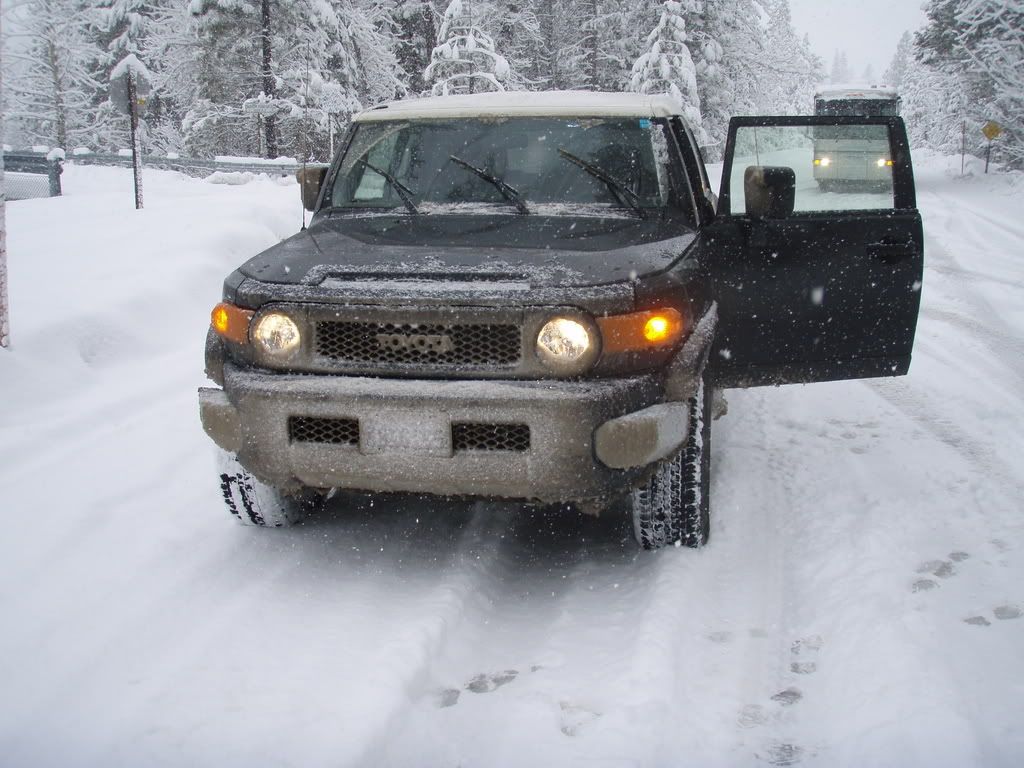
[231,322]
[638,331]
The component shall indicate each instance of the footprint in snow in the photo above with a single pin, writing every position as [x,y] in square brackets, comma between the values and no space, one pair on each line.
[940,569]
[805,654]
[575,717]
[487,683]
[781,753]
[1001,612]
[788,697]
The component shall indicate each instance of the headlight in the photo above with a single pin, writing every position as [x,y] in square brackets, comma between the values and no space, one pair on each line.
[882,162]
[276,333]
[823,161]
[566,345]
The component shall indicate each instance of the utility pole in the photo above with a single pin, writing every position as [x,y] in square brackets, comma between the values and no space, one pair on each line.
[5,326]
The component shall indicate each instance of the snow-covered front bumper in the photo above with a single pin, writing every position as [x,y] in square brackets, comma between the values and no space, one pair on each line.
[545,440]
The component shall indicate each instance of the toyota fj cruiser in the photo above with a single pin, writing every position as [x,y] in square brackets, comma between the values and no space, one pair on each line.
[533,296]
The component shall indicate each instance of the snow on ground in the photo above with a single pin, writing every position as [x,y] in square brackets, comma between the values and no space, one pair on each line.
[859,603]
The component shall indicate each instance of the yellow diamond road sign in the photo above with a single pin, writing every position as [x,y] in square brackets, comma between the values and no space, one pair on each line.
[992,130]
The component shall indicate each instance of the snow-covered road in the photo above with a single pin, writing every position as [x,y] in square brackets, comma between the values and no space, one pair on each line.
[859,604]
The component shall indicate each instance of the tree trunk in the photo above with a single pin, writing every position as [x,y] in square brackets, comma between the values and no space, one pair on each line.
[270,123]
[592,42]
[60,111]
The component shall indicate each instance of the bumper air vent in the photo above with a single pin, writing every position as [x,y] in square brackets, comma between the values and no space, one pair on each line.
[314,429]
[479,436]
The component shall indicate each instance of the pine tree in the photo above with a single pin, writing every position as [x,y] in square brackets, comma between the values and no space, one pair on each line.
[464,59]
[667,66]
[840,68]
[790,70]
[896,72]
[415,34]
[977,45]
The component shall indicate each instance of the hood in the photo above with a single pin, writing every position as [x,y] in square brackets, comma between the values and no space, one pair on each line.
[538,251]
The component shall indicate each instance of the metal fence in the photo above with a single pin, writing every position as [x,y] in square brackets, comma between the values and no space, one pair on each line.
[31,174]
[187,165]
[28,175]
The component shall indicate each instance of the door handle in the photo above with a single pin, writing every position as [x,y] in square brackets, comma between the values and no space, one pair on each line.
[890,253]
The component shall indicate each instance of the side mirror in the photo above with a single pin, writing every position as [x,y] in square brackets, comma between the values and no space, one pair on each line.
[769,191]
[311,178]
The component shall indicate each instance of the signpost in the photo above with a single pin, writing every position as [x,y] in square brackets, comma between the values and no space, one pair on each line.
[130,89]
[992,130]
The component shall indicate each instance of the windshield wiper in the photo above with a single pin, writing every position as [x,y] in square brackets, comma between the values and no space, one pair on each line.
[403,191]
[626,197]
[509,192]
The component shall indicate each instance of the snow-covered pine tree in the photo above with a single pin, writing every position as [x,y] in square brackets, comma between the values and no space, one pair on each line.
[840,68]
[376,74]
[933,107]
[667,66]
[991,35]
[119,30]
[727,46]
[251,64]
[415,35]
[975,49]
[896,72]
[49,88]
[790,70]
[464,59]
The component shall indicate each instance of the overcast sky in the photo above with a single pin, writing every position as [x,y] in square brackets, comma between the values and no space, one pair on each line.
[867,30]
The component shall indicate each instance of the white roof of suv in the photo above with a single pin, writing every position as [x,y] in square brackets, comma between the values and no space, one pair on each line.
[525,104]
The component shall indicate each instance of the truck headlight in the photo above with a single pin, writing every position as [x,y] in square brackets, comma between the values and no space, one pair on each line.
[824,162]
[276,333]
[567,345]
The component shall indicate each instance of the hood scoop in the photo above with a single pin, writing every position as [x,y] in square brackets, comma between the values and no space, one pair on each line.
[427,284]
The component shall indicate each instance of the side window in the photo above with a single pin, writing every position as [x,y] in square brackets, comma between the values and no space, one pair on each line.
[836,167]
[373,186]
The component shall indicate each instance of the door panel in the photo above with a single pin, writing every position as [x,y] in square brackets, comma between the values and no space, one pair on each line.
[831,290]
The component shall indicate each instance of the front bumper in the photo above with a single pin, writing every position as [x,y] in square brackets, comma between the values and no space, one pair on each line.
[405,433]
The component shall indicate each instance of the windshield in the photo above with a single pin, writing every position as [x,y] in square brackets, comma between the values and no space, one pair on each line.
[524,165]
[870,107]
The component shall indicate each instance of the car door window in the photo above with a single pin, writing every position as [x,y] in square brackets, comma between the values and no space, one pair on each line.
[837,167]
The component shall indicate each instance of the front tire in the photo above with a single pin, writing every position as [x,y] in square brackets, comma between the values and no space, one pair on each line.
[253,502]
[673,506]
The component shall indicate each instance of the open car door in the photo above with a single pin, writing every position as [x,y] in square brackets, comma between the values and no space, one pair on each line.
[815,255]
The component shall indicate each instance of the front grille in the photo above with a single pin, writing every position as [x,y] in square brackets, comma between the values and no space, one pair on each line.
[481,436]
[420,344]
[314,429]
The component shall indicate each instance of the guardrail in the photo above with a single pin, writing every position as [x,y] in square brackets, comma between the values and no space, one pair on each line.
[189,165]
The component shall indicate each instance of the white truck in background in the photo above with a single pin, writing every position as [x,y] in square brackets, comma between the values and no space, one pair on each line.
[852,157]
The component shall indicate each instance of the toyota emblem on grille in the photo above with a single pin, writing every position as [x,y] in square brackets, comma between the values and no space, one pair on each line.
[416,342]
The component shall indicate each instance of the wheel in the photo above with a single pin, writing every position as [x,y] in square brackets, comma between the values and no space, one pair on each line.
[673,506]
[253,502]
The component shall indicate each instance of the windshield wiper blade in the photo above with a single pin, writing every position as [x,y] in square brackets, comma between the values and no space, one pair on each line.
[627,197]
[403,191]
[509,192]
